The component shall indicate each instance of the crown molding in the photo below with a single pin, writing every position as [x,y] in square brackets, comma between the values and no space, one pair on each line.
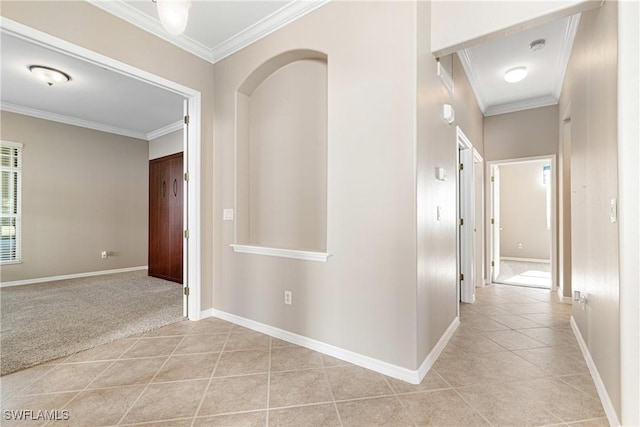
[40,114]
[565,52]
[474,78]
[526,104]
[278,19]
[141,20]
[166,130]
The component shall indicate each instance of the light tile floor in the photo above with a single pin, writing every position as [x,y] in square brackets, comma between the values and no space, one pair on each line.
[513,361]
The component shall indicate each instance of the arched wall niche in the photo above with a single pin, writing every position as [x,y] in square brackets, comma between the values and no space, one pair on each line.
[281,153]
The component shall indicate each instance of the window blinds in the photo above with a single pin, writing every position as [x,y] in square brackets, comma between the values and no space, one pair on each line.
[10,192]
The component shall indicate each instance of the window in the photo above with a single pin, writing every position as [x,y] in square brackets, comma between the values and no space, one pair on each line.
[11,162]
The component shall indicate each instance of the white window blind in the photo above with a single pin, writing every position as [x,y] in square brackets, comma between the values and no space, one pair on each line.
[11,164]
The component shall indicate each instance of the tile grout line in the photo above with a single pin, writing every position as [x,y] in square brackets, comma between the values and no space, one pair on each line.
[50,422]
[268,384]
[204,395]
[146,387]
[404,408]
[333,397]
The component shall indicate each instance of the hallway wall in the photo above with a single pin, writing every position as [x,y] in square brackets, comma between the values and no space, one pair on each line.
[591,88]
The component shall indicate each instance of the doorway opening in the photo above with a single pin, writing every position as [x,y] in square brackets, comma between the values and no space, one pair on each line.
[470,200]
[192,147]
[522,222]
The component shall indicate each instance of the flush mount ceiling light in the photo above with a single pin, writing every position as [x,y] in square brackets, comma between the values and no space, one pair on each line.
[515,74]
[49,75]
[173,14]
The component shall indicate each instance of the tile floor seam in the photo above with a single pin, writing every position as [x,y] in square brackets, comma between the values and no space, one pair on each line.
[146,387]
[333,397]
[404,408]
[69,402]
[471,407]
[266,421]
[213,372]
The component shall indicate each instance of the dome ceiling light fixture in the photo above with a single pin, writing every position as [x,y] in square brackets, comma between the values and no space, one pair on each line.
[515,74]
[173,14]
[49,75]
[537,45]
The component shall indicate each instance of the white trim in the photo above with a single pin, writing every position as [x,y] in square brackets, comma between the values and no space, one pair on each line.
[193,266]
[565,52]
[525,104]
[465,202]
[166,130]
[404,374]
[283,253]
[539,261]
[126,12]
[70,276]
[629,205]
[474,78]
[11,144]
[433,355]
[281,17]
[278,19]
[210,312]
[45,115]
[607,404]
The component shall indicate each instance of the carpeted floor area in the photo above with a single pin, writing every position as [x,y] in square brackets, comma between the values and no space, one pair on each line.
[46,321]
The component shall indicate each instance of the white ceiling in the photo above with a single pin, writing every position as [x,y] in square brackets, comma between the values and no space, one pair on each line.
[95,98]
[111,102]
[486,63]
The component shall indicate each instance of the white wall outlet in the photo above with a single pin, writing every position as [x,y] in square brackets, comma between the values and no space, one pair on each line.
[104,254]
[227,215]
[438,213]
[287,297]
[613,211]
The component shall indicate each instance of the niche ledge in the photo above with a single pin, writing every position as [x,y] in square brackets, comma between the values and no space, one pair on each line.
[282,253]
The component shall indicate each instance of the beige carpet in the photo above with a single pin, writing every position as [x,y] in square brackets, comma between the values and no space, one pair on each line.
[46,321]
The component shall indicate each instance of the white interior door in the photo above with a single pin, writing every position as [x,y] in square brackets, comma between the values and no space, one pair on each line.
[466,225]
[495,222]
[185,245]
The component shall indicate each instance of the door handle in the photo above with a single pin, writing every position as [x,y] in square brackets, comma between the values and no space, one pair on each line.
[175,187]
[164,187]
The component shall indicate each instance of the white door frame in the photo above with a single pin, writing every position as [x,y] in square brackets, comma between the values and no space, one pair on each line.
[192,271]
[491,166]
[465,209]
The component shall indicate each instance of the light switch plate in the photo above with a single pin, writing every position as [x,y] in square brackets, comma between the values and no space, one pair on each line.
[227,214]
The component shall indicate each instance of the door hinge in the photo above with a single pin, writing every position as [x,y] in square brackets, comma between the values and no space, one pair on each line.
[186,120]
[186,234]
[492,221]
[461,166]
[186,291]
[461,277]
[493,264]
[461,221]
[186,176]
[493,179]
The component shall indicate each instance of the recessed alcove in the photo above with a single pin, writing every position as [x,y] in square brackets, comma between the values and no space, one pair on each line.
[281,156]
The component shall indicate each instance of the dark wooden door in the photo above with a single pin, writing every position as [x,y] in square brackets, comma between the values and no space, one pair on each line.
[166,217]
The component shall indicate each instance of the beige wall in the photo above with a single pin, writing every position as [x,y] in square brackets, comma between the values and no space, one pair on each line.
[591,87]
[88,26]
[436,240]
[363,298]
[526,133]
[165,145]
[523,211]
[83,192]
[287,158]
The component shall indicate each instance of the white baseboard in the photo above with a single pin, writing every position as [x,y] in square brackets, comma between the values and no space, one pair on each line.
[206,313]
[609,409]
[540,261]
[433,355]
[71,276]
[404,374]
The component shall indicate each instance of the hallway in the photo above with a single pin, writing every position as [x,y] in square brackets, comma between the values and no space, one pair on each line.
[513,361]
